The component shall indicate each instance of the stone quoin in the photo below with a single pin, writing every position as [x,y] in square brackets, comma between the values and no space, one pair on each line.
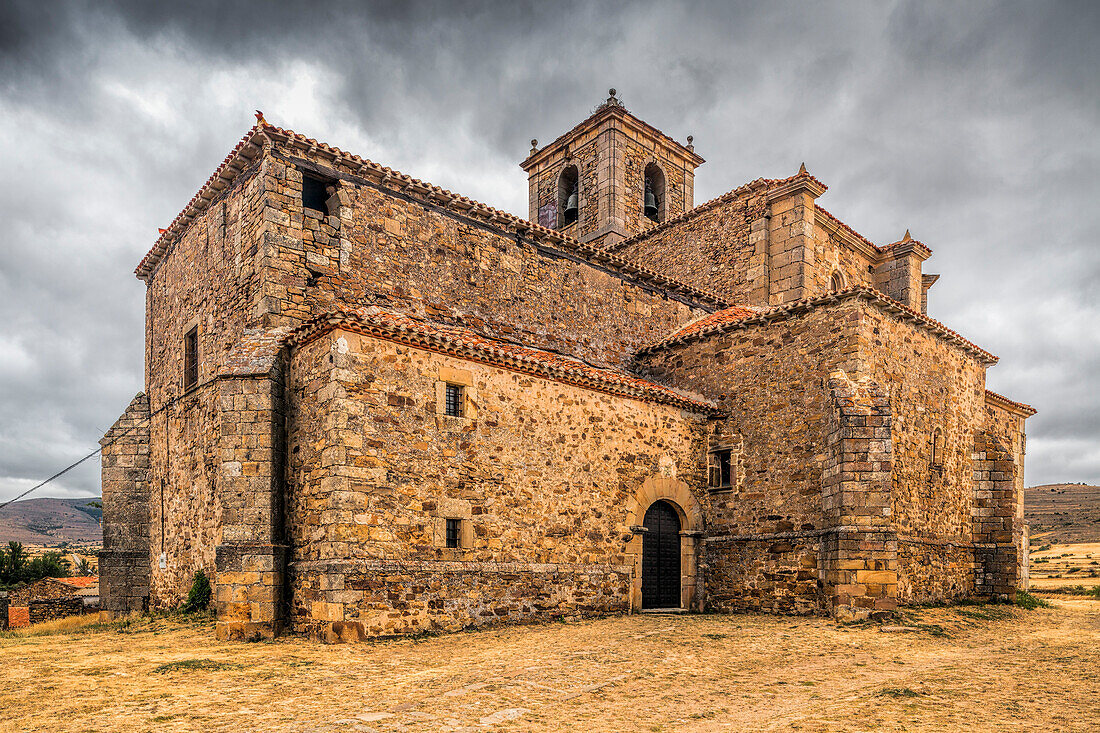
[376,407]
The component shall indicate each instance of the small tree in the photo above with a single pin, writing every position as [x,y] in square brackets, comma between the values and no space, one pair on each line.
[198,598]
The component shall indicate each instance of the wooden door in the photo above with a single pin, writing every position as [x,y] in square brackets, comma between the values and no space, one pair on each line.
[661,557]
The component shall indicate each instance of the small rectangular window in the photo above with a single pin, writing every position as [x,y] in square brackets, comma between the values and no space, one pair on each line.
[315,193]
[453,406]
[191,358]
[721,469]
[454,532]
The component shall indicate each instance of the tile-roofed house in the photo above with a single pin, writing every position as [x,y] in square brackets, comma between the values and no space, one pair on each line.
[374,406]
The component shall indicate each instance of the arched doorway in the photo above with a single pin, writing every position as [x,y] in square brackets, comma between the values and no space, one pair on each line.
[661,557]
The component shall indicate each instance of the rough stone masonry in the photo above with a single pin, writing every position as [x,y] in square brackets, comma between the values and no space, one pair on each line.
[376,407]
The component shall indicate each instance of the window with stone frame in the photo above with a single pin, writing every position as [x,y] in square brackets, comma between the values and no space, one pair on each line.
[721,468]
[454,533]
[191,359]
[454,403]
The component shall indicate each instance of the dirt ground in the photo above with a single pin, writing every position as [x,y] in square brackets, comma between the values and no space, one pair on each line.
[958,668]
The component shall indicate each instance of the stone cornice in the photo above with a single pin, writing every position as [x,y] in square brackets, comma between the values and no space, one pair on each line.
[603,113]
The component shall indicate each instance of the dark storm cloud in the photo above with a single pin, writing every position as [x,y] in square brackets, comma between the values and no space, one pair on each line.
[974,125]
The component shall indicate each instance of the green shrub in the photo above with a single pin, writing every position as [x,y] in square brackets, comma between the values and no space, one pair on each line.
[198,598]
[1028,601]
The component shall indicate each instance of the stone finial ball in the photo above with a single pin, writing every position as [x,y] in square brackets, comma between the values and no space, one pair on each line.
[690,139]
[611,91]
[534,143]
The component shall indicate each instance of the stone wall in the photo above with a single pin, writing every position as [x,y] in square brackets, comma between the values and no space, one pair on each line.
[764,547]
[761,244]
[251,556]
[937,395]
[541,476]
[210,279]
[1005,424]
[54,608]
[819,464]
[379,246]
[125,483]
[710,248]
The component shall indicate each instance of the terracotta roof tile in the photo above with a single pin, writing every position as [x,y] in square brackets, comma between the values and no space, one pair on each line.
[467,344]
[80,582]
[798,306]
[1001,400]
[729,315]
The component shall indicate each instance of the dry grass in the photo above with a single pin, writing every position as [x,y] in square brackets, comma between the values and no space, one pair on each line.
[960,668]
[66,625]
[1059,566]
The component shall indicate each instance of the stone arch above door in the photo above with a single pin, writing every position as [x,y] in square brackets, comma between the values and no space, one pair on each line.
[672,490]
[679,496]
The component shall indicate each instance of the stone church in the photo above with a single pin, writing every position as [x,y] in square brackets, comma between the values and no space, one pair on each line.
[373,406]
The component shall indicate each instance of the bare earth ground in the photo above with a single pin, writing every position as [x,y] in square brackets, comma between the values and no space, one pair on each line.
[963,668]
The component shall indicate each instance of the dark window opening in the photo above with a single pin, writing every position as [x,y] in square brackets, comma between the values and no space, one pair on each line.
[721,469]
[453,406]
[654,195]
[191,358]
[315,193]
[937,449]
[569,195]
[454,532]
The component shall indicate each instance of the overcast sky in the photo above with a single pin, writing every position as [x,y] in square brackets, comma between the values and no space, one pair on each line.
[974,124]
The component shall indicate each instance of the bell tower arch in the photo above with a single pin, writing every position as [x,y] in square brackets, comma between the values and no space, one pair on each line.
[615,155]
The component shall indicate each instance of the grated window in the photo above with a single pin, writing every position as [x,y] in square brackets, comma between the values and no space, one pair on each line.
[453,406]
[454,534]
[191,358]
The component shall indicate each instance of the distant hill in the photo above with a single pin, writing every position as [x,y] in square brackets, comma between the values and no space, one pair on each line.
[51,521]
[1063,513]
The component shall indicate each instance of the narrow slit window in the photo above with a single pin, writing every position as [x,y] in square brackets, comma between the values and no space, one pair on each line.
[315,194]
[454,532]
[453,406]
[721,469]
[191,358]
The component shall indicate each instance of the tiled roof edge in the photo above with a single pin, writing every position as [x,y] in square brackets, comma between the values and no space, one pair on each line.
[1001,401]
[595,378]
[225,172]
[760,185]
[859,292]
[409,186]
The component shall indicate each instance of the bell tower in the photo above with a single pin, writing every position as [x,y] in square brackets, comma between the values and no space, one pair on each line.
[610,177]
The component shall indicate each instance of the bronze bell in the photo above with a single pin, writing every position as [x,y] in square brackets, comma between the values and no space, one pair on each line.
[650,202]
[571,207]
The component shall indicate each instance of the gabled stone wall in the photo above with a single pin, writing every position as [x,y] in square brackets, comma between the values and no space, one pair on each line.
[541,476]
